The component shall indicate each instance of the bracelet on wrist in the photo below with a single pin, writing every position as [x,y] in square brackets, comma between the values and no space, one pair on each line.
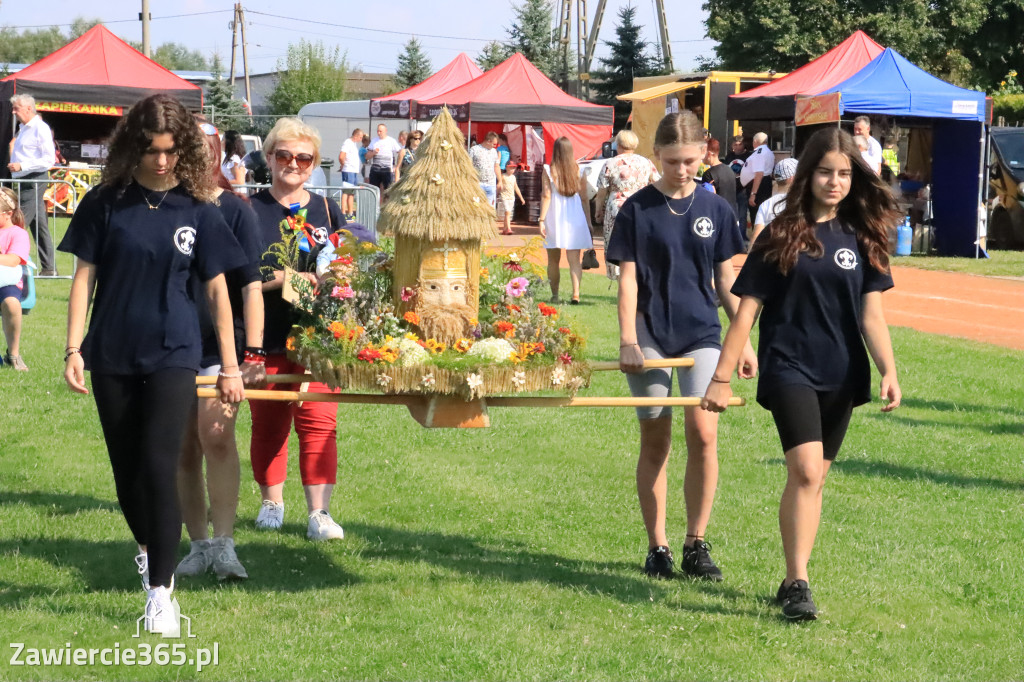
[720,381]
[229,375]
[629,345]
[254,359]
[255,350]
[71,351]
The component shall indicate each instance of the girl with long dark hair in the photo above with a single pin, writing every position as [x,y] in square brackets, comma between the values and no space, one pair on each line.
[816,276]
[564,217]
[139,237]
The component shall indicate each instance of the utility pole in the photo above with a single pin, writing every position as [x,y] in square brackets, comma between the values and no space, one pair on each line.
[144,17]
[245,59]
[233,24]
[582,75]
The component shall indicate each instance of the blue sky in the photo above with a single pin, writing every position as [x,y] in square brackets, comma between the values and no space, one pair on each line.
[371,32]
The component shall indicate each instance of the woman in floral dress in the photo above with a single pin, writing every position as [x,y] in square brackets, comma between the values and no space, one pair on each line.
[621,177]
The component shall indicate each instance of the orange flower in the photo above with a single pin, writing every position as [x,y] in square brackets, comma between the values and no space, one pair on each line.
[506,328]
[310,331]
[337,329]
[547,311]
[513,308]
[564,330]
[290,343]
[463,345]
[388,354]
[411,317]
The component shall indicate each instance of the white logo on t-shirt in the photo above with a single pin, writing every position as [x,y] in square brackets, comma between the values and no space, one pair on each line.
[846,259]
[703,227]
[320,235]
[184,239]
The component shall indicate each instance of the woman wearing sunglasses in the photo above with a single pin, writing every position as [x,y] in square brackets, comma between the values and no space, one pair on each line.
[293,150]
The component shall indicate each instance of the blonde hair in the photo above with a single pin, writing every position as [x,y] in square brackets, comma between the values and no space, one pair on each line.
[9,202]
[626,139]
[289,129]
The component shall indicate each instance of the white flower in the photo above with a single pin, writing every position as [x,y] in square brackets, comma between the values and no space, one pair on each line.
[383,380]
[446,145]
[519,379]
[411,353]
[491,349]
[476,200]
[428,380]
[557,376]
[436,179]
[474,381]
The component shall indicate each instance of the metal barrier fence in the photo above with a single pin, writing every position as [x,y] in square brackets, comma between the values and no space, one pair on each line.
[367,200]
[33,203]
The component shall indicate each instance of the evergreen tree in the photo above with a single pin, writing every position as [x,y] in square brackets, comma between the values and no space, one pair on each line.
[531,33]
[629,59]
[494,53]
[224,111]
[413,66]
[310,73]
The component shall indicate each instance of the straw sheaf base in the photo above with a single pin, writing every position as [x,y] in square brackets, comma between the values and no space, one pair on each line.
[430,380]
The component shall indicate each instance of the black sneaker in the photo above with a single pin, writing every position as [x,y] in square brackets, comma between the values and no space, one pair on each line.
[697,562]
[659,563]
[796,601]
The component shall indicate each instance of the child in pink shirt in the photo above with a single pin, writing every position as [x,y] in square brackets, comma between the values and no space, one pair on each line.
[14,253]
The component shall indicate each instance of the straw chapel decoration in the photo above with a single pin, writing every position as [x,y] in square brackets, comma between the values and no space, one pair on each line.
[439,217]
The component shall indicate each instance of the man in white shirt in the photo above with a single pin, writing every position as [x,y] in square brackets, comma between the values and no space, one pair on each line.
[348,159]
[32,156]
[485,160]
[783,175]
[873,155]
[381,156]
[756,173]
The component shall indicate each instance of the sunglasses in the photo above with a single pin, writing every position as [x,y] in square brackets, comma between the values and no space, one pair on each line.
[285,157]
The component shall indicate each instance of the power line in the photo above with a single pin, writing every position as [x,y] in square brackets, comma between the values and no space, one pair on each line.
[123,21]
[375,30]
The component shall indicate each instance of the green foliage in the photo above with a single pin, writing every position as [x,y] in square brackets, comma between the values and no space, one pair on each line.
[1010,107]
[224,110]
[531,34]
[29,45]
[629,59]
[494,53]
[311,72]
[413,65]
[1009,86]
[941,36]
[177,57]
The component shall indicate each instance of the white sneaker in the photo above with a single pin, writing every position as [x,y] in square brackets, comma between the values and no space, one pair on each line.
[323,527]
[225,561]
[159,614]
[271,515]
[198,559]
[142,562]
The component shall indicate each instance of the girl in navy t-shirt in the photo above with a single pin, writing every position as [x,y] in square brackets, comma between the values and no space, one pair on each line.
[139,237]
[671,240]
[816,276]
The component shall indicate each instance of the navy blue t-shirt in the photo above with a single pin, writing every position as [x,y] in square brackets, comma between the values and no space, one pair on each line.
[144,315]
[243,225]
[325,216]
[810,330]
[675,260]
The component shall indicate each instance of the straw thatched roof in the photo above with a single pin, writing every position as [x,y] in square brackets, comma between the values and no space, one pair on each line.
[439,197]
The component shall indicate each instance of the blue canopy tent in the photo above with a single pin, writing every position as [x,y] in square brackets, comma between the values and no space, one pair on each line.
[892,86]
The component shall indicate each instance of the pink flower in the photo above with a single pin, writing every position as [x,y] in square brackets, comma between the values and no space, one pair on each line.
[517,287]
[342,292]
[408,293]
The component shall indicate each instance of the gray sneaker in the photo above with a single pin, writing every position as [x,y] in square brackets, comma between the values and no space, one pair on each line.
[198,559]
[225,562]
[271,515]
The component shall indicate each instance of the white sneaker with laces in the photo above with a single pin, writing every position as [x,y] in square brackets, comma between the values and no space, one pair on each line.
[142,562]
[323,527]
[225,561]
[159,613]
[198,559]
[271,515]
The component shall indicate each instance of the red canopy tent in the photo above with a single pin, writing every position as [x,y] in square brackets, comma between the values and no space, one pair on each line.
[516,92]
[777,100]
[99,70]
[402,104]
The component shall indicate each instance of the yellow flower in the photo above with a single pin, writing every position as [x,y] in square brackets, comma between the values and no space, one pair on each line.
[463,345]
[412,337]
[369,246]
[388,354]
[309,332]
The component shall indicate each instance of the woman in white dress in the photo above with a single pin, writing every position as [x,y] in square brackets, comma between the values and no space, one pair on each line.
[564,218]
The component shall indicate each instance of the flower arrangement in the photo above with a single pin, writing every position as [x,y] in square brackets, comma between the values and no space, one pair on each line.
[351,335]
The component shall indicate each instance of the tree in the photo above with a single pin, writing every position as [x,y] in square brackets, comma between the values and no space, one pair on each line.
[310,73]
[531,34]
[177,57]
[494,53]
[226,112]
[628,59]
[30,45]
[941,36]
[413,66]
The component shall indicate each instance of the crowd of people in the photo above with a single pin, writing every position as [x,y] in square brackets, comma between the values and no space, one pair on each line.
[195,293]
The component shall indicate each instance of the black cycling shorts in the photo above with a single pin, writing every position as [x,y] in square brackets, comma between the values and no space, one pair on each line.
[804,415]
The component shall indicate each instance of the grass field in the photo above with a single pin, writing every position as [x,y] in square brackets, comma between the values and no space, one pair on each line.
[998,264]
[513,553]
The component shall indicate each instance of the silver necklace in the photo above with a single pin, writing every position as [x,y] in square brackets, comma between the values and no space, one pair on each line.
[166,192]
[688,206]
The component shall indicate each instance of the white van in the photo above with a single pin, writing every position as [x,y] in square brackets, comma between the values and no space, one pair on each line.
[337,120]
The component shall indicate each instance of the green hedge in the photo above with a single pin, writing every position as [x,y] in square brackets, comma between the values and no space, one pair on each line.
[1010,107]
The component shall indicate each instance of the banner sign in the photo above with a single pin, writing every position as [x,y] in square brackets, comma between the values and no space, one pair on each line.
[72,108]
[460,112]
[818,109]
[391,108]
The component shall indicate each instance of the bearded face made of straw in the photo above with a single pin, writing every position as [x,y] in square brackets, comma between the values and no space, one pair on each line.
[442,300]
